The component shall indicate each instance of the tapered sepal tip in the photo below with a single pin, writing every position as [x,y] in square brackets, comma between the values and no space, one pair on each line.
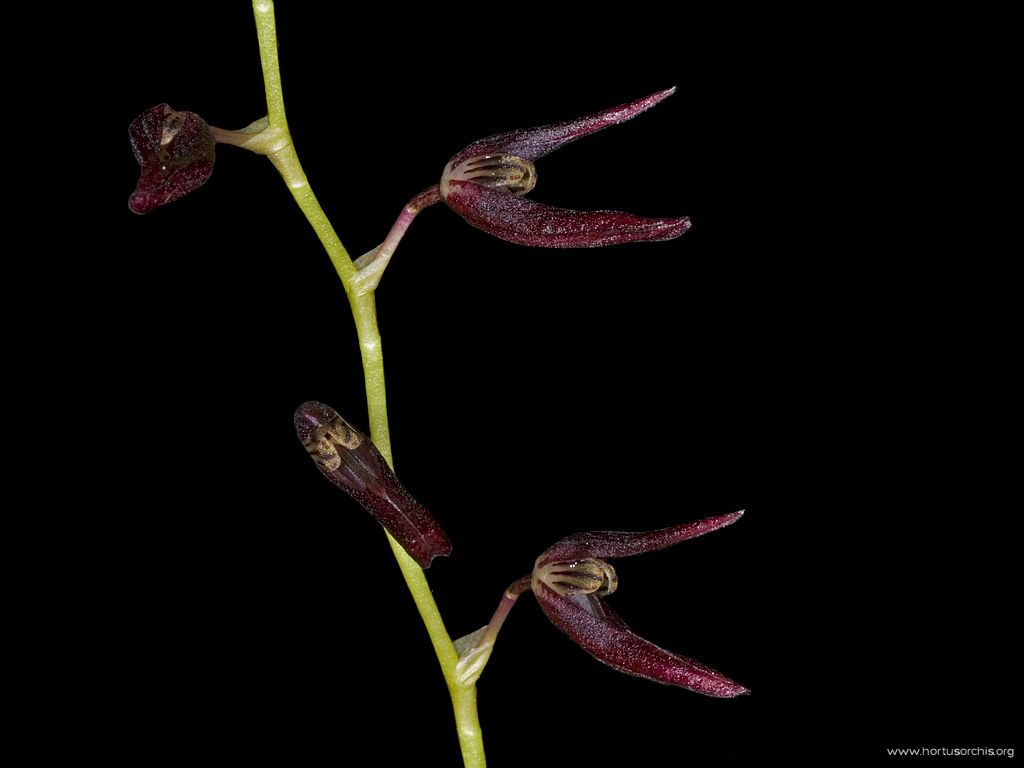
[660,96]
[602,544]
[672,228]
[592,625]
[485,183]
[527,222]
[570,580]
[348,458]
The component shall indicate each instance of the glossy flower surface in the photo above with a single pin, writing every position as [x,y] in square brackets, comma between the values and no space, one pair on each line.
[571,579]
[352,462]
[176,153]
[486,181]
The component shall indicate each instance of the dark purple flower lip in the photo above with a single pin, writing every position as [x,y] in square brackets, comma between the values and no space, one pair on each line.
[352,462]
[570,579]
[486,181]
[176,152]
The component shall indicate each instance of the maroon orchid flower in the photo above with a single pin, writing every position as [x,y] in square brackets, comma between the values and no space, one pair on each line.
[570,580]
[176,152]
[352,462]
[486,181]
[485,184]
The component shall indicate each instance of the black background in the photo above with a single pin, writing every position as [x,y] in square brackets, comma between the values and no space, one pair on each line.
[250,610]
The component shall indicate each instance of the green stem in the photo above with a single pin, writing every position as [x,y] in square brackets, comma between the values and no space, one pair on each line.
[467,723]
[364,312]
[275,141]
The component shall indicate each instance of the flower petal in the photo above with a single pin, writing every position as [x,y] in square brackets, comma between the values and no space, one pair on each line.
[352,462]
[601,544]
[531,143]
[176,152]
[526,222]
[600,632]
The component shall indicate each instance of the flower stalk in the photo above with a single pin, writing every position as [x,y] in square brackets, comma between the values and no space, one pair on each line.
[371,265]
[364,312]
[485,184]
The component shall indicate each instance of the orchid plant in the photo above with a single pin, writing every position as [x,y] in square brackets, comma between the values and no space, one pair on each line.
[486,184]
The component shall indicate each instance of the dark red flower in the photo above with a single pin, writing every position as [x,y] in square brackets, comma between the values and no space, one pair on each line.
[176,152]
[486,181]
[352,462]
[571,579]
